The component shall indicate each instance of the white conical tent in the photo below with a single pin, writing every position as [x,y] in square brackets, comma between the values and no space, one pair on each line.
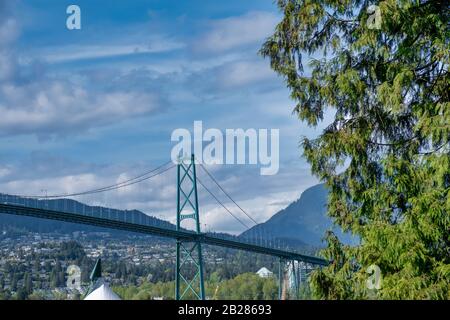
[264,272]
[103,292]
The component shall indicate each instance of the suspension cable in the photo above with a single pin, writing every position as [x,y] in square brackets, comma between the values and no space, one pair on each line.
[134,180]
[229,197]
[219,202]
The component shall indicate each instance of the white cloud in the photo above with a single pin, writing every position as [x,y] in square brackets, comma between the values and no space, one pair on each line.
[9,31]
[231,78]
[4,172]
[243,73]
[48,107]
[81,52]
[232,32]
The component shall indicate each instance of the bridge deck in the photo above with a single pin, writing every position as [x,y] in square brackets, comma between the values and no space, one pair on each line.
[154,230]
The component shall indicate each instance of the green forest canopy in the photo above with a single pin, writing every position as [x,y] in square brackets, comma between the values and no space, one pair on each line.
[383,72]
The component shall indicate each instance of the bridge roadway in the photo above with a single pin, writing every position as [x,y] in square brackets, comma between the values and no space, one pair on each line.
[157,231]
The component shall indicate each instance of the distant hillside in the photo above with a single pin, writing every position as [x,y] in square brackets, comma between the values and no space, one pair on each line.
[22,224]
[304,220]
[31,224]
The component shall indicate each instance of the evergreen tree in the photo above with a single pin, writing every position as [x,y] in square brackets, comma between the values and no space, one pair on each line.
[36,265]
[28,284]
[14,280]
[383,73]
[53,279]
[21,294]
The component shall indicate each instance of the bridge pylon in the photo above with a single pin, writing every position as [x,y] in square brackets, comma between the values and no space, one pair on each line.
[189,282]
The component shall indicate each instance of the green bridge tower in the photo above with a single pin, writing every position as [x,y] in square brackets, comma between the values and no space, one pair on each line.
[189,265]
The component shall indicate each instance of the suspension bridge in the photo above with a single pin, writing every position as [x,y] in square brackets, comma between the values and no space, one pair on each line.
[188,242]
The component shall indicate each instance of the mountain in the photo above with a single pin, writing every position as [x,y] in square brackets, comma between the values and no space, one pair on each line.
[304,220]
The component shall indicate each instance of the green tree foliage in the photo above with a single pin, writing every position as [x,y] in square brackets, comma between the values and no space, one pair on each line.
[385,156]
[28,284]
[246,286]
[71,250]
[15,279]
[36,296]
[21,294]
[147,291]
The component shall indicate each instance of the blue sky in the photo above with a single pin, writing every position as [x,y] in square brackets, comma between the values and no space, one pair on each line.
[85,108]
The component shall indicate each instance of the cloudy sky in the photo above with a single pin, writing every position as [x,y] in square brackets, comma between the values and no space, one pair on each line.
[86,108]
